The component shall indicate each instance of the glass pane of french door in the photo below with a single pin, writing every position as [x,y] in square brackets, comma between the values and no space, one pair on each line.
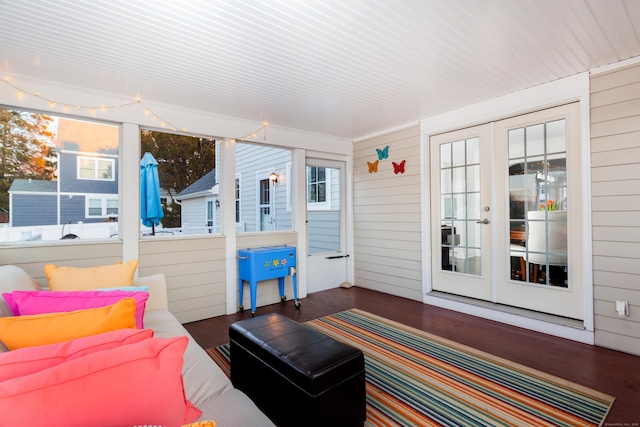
[461,226]
[538,203]
[460,206]
[539,234]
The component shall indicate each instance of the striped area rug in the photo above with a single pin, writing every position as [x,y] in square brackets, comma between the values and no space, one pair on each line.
[418,379]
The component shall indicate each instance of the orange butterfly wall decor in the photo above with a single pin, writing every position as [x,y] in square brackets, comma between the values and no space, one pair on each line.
[373,167]
[398,168]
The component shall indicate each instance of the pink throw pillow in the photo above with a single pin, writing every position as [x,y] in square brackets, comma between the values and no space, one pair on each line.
[34,359]
[40,302]
[11,303]
[135,384]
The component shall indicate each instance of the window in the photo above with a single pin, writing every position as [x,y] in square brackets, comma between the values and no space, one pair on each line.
[189,182]
[320,180]
[210,215]
[60,177]
[102,206]
[96,169]
[316,184]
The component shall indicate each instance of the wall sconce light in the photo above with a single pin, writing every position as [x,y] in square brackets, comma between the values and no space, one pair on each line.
[217,204]
[273,178]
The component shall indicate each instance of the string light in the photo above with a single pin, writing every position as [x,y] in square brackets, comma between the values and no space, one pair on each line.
[147,111]
[52,102]
[255,133]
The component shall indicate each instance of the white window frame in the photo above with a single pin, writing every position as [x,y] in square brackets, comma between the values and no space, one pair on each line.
[319,206]
[103,202]
[96,161]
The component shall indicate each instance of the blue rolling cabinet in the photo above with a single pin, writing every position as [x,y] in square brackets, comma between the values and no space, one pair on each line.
[272,262]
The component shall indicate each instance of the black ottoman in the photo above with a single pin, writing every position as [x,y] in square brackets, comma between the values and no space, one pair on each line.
[297,375]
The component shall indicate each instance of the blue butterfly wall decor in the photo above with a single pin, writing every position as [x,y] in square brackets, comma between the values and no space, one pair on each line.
[398,168]
[384,153]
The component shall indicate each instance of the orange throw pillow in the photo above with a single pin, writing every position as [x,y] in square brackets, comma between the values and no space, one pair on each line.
[40,329]
[88,279]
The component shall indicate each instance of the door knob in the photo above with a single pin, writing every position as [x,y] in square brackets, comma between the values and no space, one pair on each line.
[484,221]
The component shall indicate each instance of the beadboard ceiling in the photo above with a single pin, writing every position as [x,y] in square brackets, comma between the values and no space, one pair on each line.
[347,68]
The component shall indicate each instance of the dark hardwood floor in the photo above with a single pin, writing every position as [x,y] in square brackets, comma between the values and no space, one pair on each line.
[608,371]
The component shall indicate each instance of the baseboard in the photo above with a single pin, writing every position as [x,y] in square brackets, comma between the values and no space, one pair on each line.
[551,325]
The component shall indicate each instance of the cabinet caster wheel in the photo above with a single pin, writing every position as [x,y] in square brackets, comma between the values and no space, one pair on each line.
[253,314]
[297,304]
[241,308]
[283,298]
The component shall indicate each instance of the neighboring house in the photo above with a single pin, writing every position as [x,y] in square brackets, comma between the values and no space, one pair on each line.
[198,203]
[260,203]
[263,204]
[87,187]
[33,202]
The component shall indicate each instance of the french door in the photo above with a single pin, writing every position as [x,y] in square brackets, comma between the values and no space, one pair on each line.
[506,217]
[462,240]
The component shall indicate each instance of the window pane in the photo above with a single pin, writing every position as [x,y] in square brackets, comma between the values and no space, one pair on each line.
[460,206]
[316,185]
[189,177]
[95,207]
[112,207]
[459,180]
[49,177]
[537,205]
[556,140]
[516,143]
[459,153]
[473,178]
[265,192]
[105,169]
[473,150]
[445,156]
[313,193]
[473,206]
[322,192]
[535,140]
[445,181]
[86,168]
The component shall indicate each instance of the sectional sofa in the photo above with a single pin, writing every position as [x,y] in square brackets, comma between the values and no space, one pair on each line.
[205,385]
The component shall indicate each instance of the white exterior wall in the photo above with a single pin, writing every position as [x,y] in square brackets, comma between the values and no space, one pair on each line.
[194,212]
[252,162]
[387,216]
[615,186]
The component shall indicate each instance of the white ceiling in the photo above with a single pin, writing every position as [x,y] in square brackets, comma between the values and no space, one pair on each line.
[347,68]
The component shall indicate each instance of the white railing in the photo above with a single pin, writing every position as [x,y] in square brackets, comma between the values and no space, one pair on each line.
[85,231]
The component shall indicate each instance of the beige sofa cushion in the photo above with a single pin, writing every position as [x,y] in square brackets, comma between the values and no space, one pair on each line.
[14,278]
